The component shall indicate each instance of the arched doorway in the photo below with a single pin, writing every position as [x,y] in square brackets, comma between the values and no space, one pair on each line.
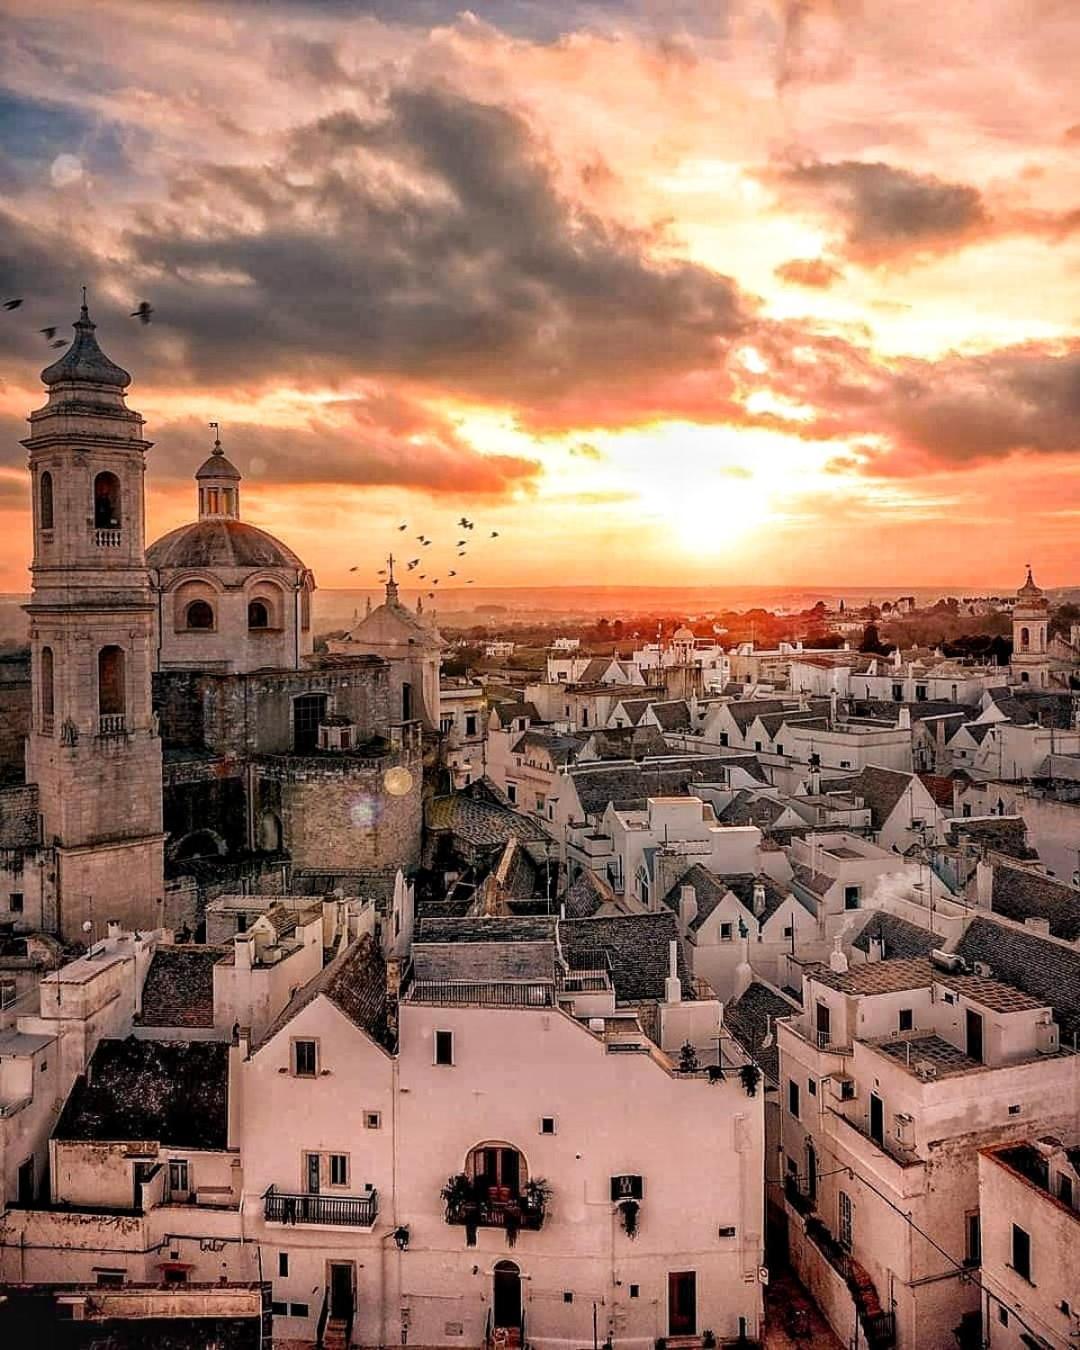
[106,502]
[506,1295]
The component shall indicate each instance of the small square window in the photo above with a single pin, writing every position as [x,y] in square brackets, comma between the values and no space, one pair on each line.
[726,1230]
[568,1296]
[1014,1110]
[305,1059]
[547,1124]
[372,1120]
[789,931]
[15,902]
[339,1169]
[279,1309]
[726,931]
[851,897]
[298,1310]
[444,1047]
[283,1263]
[635,1291]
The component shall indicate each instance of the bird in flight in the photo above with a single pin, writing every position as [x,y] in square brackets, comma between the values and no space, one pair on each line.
[60,342]
[144,311]
[469,582]
[414,563]
[12,304]
[452,574]
[49,332]
[494,534]
[461,543]
[354,569]
[404,527]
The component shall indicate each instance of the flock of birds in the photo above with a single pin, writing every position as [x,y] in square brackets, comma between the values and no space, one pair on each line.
[461,547]
[144,312]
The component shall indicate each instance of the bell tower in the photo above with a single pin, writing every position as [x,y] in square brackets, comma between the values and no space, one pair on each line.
[93,749]
[1031,630]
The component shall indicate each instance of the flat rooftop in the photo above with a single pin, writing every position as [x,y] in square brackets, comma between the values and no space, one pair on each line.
[920,1048]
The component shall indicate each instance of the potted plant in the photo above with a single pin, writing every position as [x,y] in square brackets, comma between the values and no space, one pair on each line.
[628,1212]
[688,1058]
[537,1195]
[750,1073]
[456,1194]
[708,1339]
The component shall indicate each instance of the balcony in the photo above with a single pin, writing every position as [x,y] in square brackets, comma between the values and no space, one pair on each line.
[474,1205]
[801,1203]
[878,1325]
[112,724]
[107,538]
[336,1211]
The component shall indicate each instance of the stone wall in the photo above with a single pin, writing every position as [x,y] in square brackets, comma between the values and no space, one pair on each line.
[15,706]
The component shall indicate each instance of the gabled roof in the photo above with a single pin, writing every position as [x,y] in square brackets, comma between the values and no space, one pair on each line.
[901,939]
[743,712]
[940,788]
[507,712]
[750,808]
[480,823]
[751,1017]
[586,895]
[179,987]
[635,708]
[710,888]
[628,787]
[881,790]
[673,715]
[637,947]
[485,949]
[561,749]
[175,1092]
[1041,967]
[355,982]
[1021,893]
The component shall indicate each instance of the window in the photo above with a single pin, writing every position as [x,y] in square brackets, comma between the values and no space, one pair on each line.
[305,609]
[540,803]
[279,1309]
[547,1124]
[1014,1110]
[726,932]
[1021,1252]
[47,694]
[45,498]
[298,1310]
[568,1296]
[757,745]
[793,1098]
[372,1120]
[511,793]
[339,1169]
[305,1058]
[178,1176]
[174,1276]
[258,614]
[283,1263]
[846,1220]
[723,738]
[308,711]
[789,931]
[973,1239]
[779,749]
[110,1279]
[111,700]
[444,1047]
[470,724]
[907,1019]
[106,502]
[15,902]
[811,1087]
[851,897]
[199,614]
[1065,1189]
[1025,639]
[446,725]
[635,1291]
[1003,1316]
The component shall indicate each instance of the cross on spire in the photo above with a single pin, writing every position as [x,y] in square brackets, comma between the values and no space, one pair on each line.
[391,584]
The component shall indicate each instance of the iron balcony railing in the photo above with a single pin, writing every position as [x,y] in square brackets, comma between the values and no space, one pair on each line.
[348,1211]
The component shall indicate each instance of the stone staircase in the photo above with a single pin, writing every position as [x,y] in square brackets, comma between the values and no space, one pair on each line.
[334,1335]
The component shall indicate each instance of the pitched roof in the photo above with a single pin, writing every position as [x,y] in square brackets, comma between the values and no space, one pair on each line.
[901,938]
[744,711]
[628,787]
[1041,967]
[484,928]
[1004,834]
[1020,893]
[606,743]
[175,1092]
[751,808]
[586,895]
[635,708]
[894,976]
[673,715]
[751,1017]
[940,788]
[179,987]
[637,946]
[481,823]
[561,748]
[354,981]
[881,789]
[711,887]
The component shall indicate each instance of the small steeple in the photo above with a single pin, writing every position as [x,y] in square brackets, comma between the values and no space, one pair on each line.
[391,584]
[218,484]
[84,362]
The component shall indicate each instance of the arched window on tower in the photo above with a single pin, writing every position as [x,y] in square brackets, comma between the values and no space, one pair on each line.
[199,614]
[45,498]
[1025,639]
[47,691]
[258,614]
[107,508]
[112,700]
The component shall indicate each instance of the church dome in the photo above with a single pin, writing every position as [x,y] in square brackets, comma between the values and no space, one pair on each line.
[84,362]
[217,466]
[220,541]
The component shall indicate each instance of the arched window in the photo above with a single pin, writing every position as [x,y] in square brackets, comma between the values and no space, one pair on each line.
[199,614]
[45,497]
[1025,639]
[258,614]
[497,1171]
[47,696]
[106,502]
[111,694]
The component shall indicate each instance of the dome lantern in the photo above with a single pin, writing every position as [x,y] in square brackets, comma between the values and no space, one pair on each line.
[218,483]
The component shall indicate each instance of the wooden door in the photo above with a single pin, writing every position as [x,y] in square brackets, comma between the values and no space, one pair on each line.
[682,1303]
[341,1288]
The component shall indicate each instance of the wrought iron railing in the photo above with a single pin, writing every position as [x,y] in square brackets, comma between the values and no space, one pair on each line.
[349,1211]
[490,1212]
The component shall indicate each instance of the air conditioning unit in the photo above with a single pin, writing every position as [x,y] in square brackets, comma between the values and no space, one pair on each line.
[924,1068]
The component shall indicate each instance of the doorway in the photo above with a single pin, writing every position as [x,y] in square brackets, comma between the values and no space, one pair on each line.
[877,1119]
[682,1303]
[342,1286]
[506,1295]
[308,711]
[406,702]
[26,1182]
[974,1036]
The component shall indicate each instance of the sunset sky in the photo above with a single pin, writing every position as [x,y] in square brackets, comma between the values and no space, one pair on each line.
[735,290]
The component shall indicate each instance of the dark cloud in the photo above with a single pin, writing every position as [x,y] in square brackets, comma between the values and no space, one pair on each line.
[429,242]
[814,273]
[885,213]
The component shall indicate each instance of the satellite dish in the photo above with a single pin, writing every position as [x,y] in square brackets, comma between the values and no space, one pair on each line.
[398,781]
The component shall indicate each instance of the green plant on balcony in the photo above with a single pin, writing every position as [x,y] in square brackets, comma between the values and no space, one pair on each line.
[537,1195]
[688,1059]
[750,1074]
[628,1213]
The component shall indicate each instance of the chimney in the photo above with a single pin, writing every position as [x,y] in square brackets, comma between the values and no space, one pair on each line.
[838,962]
[814,784]
[113,929]
[244,951]
[673,985]
[834,703]
[876,951]
[687,906]
[984,884]
[904,720]
[759,898]
[744,971]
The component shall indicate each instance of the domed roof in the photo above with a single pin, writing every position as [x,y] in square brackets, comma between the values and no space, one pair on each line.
[1029,591]
[220,541]
[84,362]
[217,466]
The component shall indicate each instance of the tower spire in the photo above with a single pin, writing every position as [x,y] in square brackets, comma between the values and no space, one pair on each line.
[391,584]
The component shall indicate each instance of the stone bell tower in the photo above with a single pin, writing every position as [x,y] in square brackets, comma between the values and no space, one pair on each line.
[1031,636]
[93,749]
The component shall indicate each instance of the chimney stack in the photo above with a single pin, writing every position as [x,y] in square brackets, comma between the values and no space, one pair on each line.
[673,985]
[687,906]
[759,898]
[838,962]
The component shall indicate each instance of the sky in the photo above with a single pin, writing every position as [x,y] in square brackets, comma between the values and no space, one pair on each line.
[733,291]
